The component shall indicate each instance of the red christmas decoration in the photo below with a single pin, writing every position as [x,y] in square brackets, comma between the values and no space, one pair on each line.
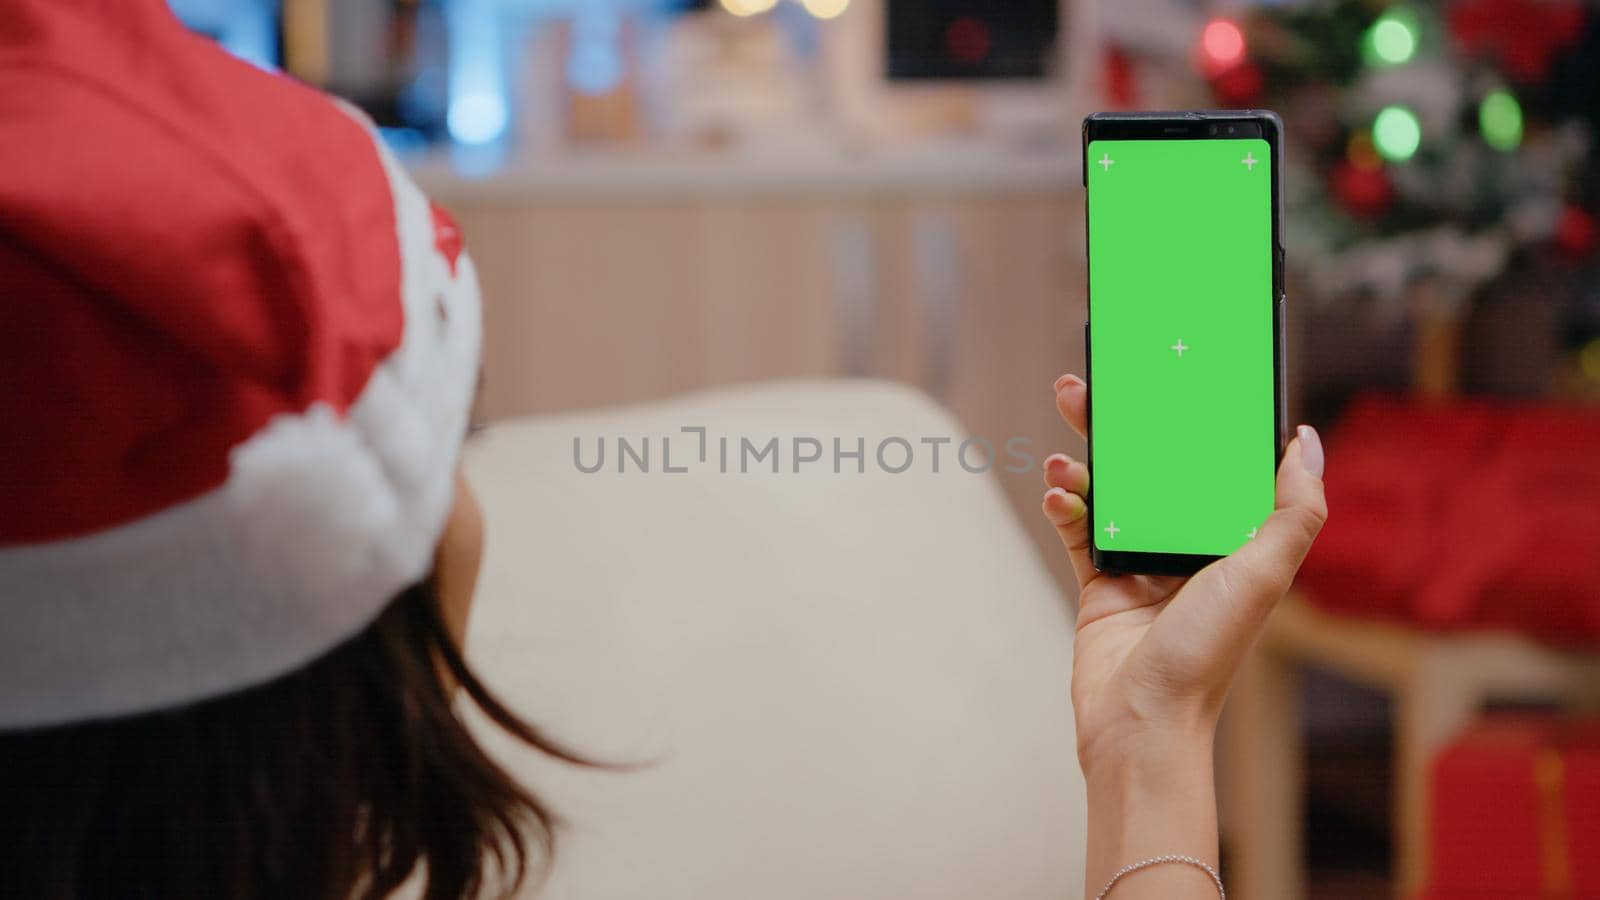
[1409,543]
[1576,232]
[1364,193]
[1121,83]
[1239,86]
[1523,36]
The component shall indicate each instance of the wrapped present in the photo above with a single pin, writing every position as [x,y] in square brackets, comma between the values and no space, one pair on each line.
[1580,806]
[1514,808]
[1463,514]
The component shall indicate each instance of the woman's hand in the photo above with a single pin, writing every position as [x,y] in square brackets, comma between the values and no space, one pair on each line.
[1154,657]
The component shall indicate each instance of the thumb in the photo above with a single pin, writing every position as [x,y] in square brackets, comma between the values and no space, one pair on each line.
[1258,574]
[1300,508]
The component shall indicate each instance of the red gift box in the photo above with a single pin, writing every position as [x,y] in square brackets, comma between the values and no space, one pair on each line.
[1463,514]
[1515,811]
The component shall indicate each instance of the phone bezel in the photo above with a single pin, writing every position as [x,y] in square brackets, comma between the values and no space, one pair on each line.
[1189,125]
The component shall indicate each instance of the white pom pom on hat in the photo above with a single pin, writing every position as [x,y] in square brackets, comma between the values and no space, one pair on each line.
[239,349]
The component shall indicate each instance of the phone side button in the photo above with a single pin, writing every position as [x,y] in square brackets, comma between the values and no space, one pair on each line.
[1283,374]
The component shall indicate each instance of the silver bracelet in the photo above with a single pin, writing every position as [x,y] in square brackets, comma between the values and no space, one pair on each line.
[1163,860]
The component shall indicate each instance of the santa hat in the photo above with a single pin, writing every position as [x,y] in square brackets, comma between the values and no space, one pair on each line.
[237,352]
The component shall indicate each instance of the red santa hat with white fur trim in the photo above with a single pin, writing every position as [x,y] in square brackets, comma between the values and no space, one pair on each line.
[237,353]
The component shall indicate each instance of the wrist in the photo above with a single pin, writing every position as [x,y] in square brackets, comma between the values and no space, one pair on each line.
[1146,751]
[1149,779]
[1154,799]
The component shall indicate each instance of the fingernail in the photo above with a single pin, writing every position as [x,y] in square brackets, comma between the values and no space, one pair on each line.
[1074,504]
[1065,380]
[1310,450]
[1075,508]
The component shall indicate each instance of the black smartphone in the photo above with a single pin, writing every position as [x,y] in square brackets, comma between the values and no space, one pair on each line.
[1185,334]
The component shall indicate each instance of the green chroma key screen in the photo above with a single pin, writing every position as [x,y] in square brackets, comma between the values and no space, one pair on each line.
[1181,332]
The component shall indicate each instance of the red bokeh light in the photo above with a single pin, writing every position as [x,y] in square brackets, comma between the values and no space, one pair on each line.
[1121,82]
[1576,232]
[1364,193]
[967,40]
[1239,85]
[1221,45]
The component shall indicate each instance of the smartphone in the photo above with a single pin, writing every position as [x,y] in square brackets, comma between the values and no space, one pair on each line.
[1185,334]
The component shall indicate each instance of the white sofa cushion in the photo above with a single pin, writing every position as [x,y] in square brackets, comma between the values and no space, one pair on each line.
[847,685]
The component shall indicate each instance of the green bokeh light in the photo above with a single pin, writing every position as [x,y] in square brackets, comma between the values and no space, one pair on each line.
[1396,133]
[1500,120]
[1392,40]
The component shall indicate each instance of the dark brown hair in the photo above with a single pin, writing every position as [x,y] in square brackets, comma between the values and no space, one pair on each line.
[332,782]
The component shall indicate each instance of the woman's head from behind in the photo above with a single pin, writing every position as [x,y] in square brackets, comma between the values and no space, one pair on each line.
[236,559]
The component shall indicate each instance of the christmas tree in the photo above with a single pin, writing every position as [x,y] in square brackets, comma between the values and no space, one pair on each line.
[1426,140]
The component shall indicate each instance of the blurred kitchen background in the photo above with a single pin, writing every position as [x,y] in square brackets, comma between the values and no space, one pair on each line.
[663,196]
